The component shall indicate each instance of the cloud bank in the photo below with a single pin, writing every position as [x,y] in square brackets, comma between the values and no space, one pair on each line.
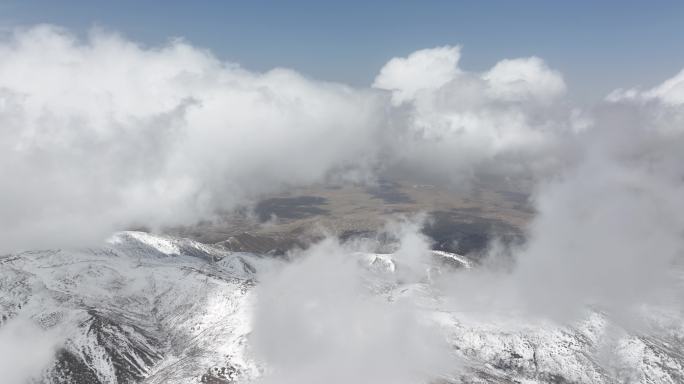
[507,119]
[100,134]
[608,230]
[319,319]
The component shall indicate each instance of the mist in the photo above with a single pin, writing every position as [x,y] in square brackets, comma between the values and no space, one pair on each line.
[319,318]
[26,349]
[608,230]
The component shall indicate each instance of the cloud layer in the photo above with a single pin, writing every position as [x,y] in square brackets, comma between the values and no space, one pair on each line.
[319,319]
[457,122]
[102,134]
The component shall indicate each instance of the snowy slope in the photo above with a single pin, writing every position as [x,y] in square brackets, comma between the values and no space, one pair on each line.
[155,309]
[141,307]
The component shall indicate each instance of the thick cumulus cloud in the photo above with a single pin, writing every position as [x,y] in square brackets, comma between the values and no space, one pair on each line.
[609,227]
[429,70]
[524,79]
[458,123]
[422,71]
[101,134]
[608,224]
[320,319]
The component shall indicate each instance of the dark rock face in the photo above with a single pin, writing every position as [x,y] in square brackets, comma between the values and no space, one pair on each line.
[220,375]
[70,368]
[122,341]
[132,349]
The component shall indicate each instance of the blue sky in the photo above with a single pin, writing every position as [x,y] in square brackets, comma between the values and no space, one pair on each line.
[598,45]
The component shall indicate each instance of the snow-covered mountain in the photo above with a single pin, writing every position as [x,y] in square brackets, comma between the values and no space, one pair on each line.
[154,309]
[141,308]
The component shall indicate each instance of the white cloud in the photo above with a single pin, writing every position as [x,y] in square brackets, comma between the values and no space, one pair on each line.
[423,70]
[609,223]
[101,134]
[524,79]
[318,319]
[465,121]
[670,92]
[26,349]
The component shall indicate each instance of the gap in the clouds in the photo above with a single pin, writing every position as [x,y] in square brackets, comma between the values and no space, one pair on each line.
[461,219]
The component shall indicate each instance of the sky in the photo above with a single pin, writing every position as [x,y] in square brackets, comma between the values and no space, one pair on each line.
[598,46]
